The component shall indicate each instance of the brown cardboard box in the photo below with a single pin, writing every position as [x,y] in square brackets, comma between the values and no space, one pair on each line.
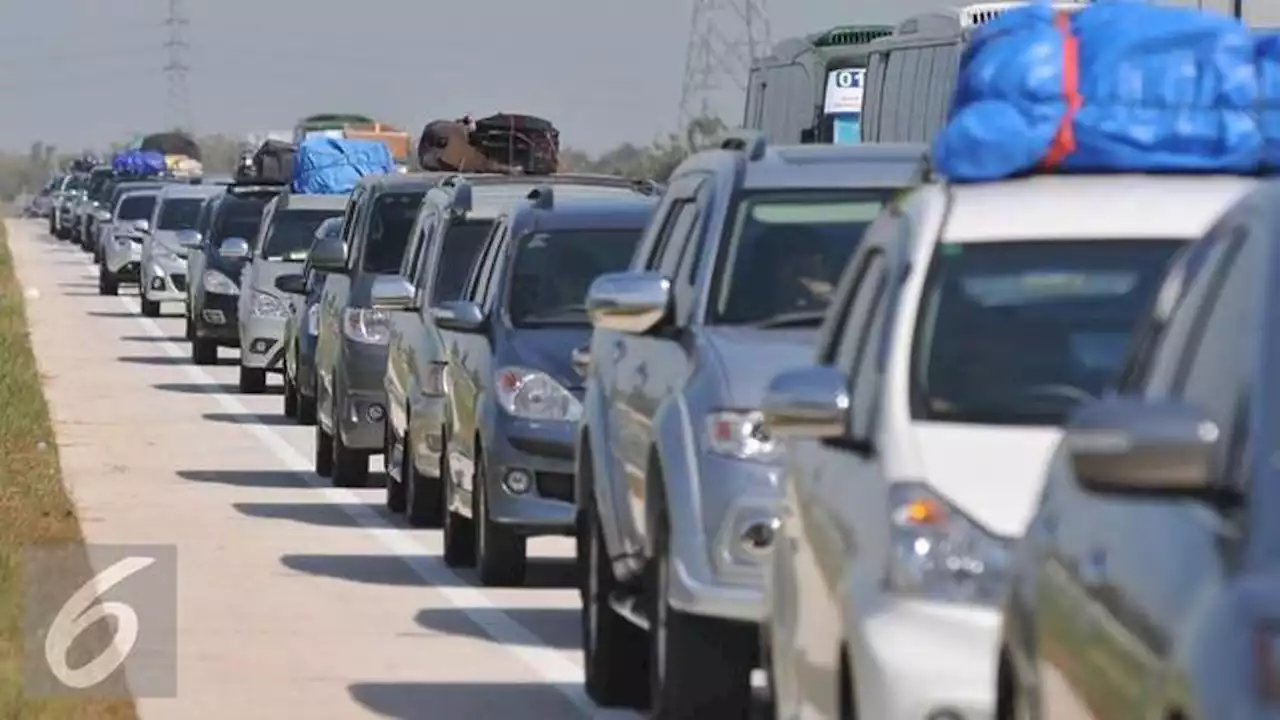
[397,141]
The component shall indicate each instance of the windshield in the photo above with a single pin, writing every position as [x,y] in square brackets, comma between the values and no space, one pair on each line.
[786,254]
[136,207]
[77,182]
[238,217]
[100,186]
[390,221]
[180,213]
[552,271]
[292,231]
[1020,332]
[463,242]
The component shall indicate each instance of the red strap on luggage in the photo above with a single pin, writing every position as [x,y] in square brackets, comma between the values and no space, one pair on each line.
[1064,141]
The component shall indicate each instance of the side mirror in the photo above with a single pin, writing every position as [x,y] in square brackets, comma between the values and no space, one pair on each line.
[811,402]
[328,254]
[236,248]
[392,292]
[142,226]
[190,239]
[1131,446]
[292,284]
[630,302]
[459,316]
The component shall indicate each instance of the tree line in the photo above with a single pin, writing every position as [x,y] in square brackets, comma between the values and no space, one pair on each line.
[26,173]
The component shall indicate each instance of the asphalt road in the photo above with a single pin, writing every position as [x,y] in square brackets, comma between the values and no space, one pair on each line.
[295,599]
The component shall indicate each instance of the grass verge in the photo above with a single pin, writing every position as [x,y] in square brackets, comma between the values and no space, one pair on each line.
[34,508]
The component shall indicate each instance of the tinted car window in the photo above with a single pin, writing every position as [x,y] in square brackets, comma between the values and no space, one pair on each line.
[100,185]
[78,182]
[238,217]
[179,213]
[785,254]
[390,222]
[1020,332]
[292,231]
[463,242]
[137,207]
[551,272]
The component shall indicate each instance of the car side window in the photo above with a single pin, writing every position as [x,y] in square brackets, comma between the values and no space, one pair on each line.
[868,368]
[353,225]
[484,267]
[832,335]
[491,271]
[857,333]
[413,264]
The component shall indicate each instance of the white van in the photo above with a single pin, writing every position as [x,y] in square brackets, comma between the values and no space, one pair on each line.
[912,73]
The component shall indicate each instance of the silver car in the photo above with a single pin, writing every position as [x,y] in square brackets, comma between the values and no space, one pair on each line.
[163,259]
[289,223]
[123,232]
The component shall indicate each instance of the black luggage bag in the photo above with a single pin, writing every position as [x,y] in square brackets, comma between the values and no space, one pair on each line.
[273,162]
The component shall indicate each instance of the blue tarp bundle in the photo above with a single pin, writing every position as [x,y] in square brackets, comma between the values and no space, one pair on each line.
[333,166]
[1268,70]
[1120,85]
[141,163]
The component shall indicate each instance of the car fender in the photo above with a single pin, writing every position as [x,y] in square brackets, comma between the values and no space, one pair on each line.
[674,457]
[604,489]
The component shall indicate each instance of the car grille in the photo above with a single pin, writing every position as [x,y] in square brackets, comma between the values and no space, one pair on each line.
[555,486]
[179,282]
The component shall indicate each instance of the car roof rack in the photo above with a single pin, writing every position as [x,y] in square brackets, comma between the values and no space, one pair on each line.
[749,141]
[256,188]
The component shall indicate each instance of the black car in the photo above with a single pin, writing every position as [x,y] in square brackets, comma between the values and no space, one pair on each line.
[234,220]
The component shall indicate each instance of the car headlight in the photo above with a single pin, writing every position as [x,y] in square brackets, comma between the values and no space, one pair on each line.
[741,434]
[936,552]
[366,325]
[535,395]
[313,320]
[265,305]
[216,282]
[102,215]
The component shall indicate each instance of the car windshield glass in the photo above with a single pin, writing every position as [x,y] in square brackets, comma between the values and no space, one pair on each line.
[1018,333]
[179,213]
[551,272]
[100,186]
[463,242]
[238,217]
[785,254]
[387,236]
[79,182]
[136,207]
[291,232]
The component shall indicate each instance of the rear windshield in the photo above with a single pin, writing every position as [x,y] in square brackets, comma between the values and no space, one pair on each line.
[1018,333]
[136,207]
[291,232]
[100,186]
[179,213]
[785,253]
[552,271]
[463,242]
[238,217]
[387,236]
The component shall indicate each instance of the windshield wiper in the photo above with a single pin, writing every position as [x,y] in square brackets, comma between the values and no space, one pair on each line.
[796,318]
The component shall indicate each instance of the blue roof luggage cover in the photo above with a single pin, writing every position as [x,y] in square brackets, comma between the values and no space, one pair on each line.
[1268,67]
[140,163]
[333,166]
[1118,86]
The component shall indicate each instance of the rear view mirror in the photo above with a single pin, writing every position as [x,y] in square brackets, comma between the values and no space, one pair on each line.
[189,239]
[630,302]
[811,403]
[292,284]
[1135,446]
[393,293]
[328,254]
[460,316]
[236,248]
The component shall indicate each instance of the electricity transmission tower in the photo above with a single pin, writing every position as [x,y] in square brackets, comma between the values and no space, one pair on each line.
[176,69]
[725,36]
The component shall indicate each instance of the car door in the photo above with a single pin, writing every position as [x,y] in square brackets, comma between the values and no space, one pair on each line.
[249,278]
[650,368]
[333,301]
[406,325]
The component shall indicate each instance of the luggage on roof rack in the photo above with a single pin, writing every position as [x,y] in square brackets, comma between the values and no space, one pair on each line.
[273,161]
[1103,89]
[502,143]
[334,166]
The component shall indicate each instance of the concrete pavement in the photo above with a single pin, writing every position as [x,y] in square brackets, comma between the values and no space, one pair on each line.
[295,599]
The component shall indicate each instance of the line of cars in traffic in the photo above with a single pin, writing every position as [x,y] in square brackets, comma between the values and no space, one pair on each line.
[919,450]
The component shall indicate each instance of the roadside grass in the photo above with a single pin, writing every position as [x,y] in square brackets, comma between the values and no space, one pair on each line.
[34,509]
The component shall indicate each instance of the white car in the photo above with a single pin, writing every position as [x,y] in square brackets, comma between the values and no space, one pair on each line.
[120,239]
[969,324]
[164,257]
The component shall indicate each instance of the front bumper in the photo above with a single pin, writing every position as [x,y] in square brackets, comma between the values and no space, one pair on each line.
[919,659]
[530,471]
[164,280]
[260,345]
[115,254]
[362,411]
[214,318]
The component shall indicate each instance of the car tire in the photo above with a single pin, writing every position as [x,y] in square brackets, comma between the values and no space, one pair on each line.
[306,409]
[98,255]
[107,283]
[708,661]
[150,308]
[324,452]
[253,381]
[501,553]
[424,496]
[615,651]
[350,467]
[459,531]
[204,351]
[290,398]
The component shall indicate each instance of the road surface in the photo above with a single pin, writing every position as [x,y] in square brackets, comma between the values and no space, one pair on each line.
[295,599]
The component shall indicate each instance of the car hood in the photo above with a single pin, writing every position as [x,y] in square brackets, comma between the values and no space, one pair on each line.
[549,350]
[265,273]
[748,358]
[168,240]
[992,473]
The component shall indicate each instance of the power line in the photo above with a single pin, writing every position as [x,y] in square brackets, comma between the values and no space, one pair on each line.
[176,68]
[725,38]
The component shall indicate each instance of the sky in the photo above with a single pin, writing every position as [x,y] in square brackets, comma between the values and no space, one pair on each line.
[83,73]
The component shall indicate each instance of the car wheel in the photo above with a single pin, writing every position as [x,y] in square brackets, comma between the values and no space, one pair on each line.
[615,651]
[395,488]
[324,452]
[204,351]
[698,666]
[150,308]
[350,467]
[290,398]
[459,530]
[107,282]
[423,495]
[501,553]
[253,381]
